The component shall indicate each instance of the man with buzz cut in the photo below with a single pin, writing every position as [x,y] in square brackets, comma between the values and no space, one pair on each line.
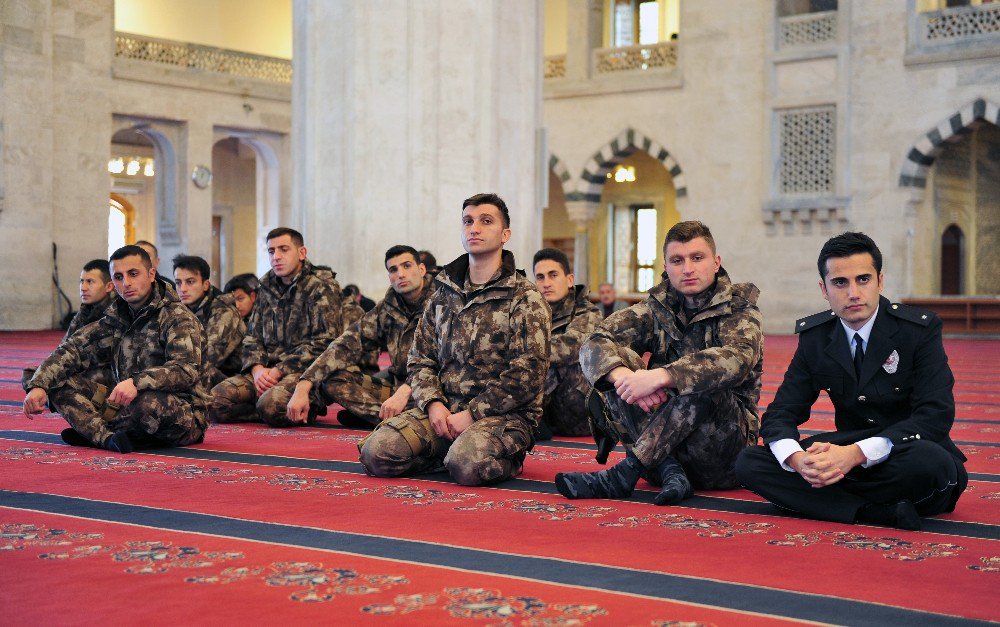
[154,257]
[133,378]
[297,314]
[890,459]
[477,365]
[96,293]
[224,328]
[339,372]
[574,318]
[685,417]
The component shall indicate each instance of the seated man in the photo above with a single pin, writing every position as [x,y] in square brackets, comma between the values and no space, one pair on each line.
[608,299]
[224,328]
[297,314]
[96,293]
[154,257]
[339,371]
[243,287]
[133,378]
[683,420]
[574,318]
[477,365]
[890,460]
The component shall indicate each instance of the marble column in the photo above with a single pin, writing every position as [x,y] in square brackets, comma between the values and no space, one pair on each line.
[402,109]
[582,213]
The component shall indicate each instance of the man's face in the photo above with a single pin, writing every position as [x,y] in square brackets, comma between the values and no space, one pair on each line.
[190,286]
[852,287]
[244,302]
[606,294]
[691,266]
[483,231]
[406,275]
[286,258]
[133,281]
[552,281]
[92,287]
[153,257]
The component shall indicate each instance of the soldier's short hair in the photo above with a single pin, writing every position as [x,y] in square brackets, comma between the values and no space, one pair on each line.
[193,263]
[401,249]
[489,199]
[284,230]
[350,290]
[101,265]
[845,245]
[552,254]
[684,232]
[128,251]
[247,282]
[142,242]
[428,259]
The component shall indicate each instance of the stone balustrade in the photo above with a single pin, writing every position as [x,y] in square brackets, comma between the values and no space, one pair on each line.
[555,66]
[198,58]
[807,29]
[658,56]
[959,23]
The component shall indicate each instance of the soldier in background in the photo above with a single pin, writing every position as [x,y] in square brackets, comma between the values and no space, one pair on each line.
[574,318]
[339,372]
[243,287]
[224,328]
[297,314]
[133,378]
[608,299]
[477,365]
[154,256]
[685,418]
[96,293]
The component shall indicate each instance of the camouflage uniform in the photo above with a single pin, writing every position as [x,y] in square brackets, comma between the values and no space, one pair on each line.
[339,373]
[483,349]
[224,333]
[289,327]
[574,318]
[715,359]
[88,313]
[159,348]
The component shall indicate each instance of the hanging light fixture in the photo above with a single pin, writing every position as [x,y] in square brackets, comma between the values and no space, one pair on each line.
[148,169]
[625,174]
[116,166]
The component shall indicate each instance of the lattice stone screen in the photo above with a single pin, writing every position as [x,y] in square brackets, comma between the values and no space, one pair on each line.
[962,22]
[205,58]
[555,66]
[807,29]
[807,148]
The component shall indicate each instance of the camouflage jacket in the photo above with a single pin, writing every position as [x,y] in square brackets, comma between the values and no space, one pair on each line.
[224,333]
[574,318]
[291,325]
[351,312]
[485,348]
[387,327]
[720,348]
[89,313]
[159,348]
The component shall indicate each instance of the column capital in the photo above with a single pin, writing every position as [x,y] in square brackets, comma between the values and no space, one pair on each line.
[582,212]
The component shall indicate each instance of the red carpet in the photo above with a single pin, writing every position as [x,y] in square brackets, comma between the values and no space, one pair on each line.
[263,525]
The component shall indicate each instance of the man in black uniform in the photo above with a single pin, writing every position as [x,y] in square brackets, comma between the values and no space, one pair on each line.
[890,460]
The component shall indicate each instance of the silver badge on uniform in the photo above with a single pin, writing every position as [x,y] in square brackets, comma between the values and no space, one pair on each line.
[891,363]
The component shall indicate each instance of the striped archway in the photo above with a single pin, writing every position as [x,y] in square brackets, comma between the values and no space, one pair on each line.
[595,172]
[559,169]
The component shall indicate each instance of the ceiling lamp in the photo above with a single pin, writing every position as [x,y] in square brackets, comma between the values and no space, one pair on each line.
[116,166]
[625,174]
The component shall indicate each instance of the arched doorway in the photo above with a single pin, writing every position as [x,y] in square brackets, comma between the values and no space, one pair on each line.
[134,169]
[121,223]
[234,210]
[952,245]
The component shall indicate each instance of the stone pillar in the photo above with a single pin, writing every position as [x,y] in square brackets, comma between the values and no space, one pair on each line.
[393,127]
[584,26]
[582,213]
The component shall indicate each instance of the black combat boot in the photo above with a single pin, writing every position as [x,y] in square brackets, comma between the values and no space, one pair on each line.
[675,487]
[119,443]
[75,438]
[611,483]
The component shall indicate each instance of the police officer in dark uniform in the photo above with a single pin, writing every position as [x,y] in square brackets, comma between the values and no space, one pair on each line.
[890,460]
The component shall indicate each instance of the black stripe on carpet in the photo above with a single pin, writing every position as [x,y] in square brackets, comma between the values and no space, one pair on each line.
[708,503]
[668,587]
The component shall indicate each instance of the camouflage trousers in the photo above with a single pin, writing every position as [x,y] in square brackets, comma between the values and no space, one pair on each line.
[490,450]
[153,419]
[565,403]
[704,432]
[359,393]
[236,400]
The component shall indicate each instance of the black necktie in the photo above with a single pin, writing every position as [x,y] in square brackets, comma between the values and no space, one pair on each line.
[859,355]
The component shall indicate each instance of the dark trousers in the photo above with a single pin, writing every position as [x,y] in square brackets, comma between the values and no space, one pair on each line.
[918,471]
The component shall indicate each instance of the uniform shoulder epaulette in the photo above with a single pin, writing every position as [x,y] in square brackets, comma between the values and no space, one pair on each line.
[804,324]
[910,313]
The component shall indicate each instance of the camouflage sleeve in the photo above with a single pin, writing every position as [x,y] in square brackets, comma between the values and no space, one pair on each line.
[521,383]
[180,371]
[741,344]
[75,324]
[619,341]
[321,326]
[75,354]
[252,349]
[351,313]
[348,349]
[422,364]
[223,335]
[566,346]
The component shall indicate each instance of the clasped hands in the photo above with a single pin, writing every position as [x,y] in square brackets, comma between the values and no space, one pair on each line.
[824,464]
[645,388]
[446,424]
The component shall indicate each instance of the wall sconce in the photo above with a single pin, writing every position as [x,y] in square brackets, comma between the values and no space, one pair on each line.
[131,166]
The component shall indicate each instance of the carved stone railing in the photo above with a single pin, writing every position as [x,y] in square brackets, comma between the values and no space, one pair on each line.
[807,29]
[959,23]
[202,58]
[659,56]
[555,66]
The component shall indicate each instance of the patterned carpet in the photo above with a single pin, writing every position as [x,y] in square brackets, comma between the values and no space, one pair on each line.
[261,525]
